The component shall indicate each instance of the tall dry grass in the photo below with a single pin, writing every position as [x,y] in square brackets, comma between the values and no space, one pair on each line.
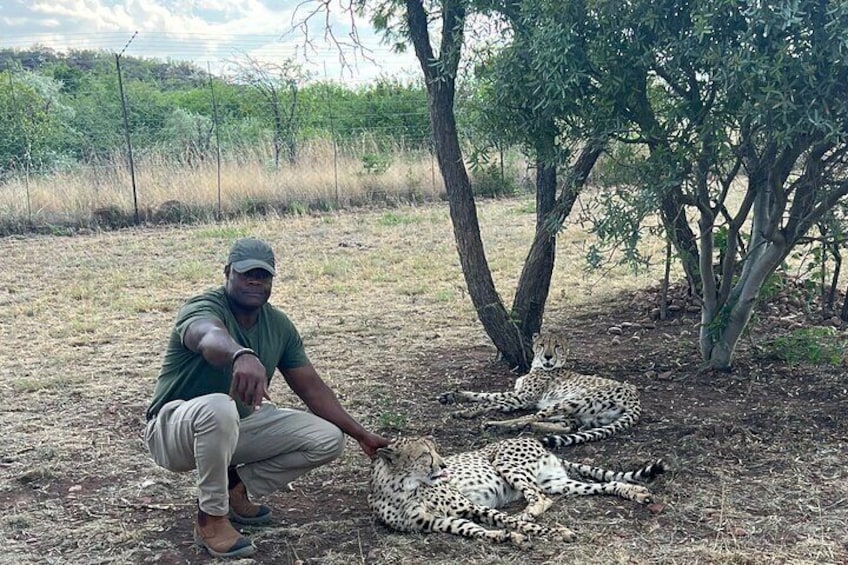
[324,176]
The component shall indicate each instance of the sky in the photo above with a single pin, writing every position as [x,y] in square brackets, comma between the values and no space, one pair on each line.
[209,33]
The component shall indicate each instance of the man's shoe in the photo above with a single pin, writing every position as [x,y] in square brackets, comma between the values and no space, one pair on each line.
[217,536]
[243,511]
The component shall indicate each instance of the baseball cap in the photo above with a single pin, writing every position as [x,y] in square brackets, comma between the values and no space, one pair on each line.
[250,253]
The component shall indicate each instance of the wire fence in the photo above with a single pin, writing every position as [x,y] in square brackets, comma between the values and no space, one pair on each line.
[220,157]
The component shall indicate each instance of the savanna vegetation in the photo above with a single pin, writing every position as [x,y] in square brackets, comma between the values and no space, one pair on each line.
[727,120]
[688,169]
[757,456]
[260,136]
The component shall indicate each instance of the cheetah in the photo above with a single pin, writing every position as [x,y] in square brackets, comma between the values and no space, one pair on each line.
[571,407]
[410,490]
[509,470]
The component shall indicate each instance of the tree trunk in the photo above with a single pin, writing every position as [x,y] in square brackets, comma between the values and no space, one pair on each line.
[490,310]
[440,77]
[677,227]
[535,281]
[722,328]
[534,284]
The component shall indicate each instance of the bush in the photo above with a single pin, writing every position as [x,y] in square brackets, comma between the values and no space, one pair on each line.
[487,181]
[816,345]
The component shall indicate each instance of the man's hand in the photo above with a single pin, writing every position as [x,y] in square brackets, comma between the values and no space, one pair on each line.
[370,443]
[249,383]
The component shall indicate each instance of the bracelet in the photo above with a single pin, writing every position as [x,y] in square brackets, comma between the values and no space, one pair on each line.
[242,351]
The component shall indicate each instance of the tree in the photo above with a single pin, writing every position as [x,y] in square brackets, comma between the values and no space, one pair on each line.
[33,121]
[741,110]
[278,85]
[436,32]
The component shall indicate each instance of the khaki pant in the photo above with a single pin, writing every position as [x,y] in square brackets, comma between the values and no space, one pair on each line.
[272,447]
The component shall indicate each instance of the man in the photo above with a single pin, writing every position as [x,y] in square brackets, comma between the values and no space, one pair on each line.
[208,414]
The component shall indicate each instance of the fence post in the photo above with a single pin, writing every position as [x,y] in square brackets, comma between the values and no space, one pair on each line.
[127,130]
[333,137]
[219,214]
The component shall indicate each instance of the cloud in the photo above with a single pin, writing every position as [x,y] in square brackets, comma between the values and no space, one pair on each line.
[209,32]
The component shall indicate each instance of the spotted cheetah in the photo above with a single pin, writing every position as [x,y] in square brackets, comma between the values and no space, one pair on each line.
[572,407]
[410,490]
[516,468]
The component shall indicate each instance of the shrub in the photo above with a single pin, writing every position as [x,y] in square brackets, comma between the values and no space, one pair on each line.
[816,345]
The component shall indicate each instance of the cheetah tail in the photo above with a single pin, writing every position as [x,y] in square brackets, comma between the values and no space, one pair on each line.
[593,434]
[642,474]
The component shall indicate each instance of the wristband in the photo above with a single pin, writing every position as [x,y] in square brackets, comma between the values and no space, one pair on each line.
[242,351]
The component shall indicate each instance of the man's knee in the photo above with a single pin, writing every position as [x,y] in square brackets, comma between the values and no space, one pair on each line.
[332,445]
[217,413]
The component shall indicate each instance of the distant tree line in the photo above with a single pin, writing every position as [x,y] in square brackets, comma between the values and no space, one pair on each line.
[64,109]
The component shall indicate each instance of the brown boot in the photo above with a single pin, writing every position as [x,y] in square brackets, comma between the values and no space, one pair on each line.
[219,538]
[243,511]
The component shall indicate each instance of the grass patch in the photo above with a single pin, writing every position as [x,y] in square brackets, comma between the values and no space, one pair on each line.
[815,345]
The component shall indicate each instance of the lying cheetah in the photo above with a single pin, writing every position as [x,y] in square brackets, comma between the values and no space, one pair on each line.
[572,407]
[410,490]
[413,489]
[512,469]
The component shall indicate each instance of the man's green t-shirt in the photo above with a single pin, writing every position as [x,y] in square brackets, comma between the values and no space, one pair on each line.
[186,374]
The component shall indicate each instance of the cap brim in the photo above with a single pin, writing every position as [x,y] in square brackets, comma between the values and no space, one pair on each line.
[248,264]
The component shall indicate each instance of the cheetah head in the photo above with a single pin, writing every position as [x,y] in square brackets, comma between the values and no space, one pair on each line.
[549,351]
[415,460]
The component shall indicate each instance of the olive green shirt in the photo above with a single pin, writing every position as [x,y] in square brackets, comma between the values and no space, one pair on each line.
[186,374]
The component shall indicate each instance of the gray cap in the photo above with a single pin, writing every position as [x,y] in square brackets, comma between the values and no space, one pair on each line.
[251,253]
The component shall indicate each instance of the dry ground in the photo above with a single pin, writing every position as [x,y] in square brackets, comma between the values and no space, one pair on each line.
[759,454]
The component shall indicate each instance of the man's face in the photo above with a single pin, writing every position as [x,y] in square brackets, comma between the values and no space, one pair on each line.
[249,290]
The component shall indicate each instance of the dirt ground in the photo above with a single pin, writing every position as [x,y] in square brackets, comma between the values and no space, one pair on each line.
[757,455]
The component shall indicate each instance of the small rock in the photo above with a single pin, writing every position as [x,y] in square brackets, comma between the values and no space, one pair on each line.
[615,330]
[656,507]
[615,341]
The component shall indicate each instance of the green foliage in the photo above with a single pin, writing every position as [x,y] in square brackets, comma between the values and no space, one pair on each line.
[772,287]
[57,108]
[489,181]
[393,421]
[375,163]
[815,345]
[33,121]
[394,219]
[297,208]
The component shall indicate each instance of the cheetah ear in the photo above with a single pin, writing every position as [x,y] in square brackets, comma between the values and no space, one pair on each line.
[387,454]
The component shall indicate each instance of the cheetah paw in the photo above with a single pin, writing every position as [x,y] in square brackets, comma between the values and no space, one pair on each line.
[561,533]
[520,540]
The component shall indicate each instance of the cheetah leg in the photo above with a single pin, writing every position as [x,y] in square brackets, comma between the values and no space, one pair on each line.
[501,519]
[469,529]
[553,424]
[628,491]
[512,423]
[537,501]
[519,475]
[554,427]
[490,402]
